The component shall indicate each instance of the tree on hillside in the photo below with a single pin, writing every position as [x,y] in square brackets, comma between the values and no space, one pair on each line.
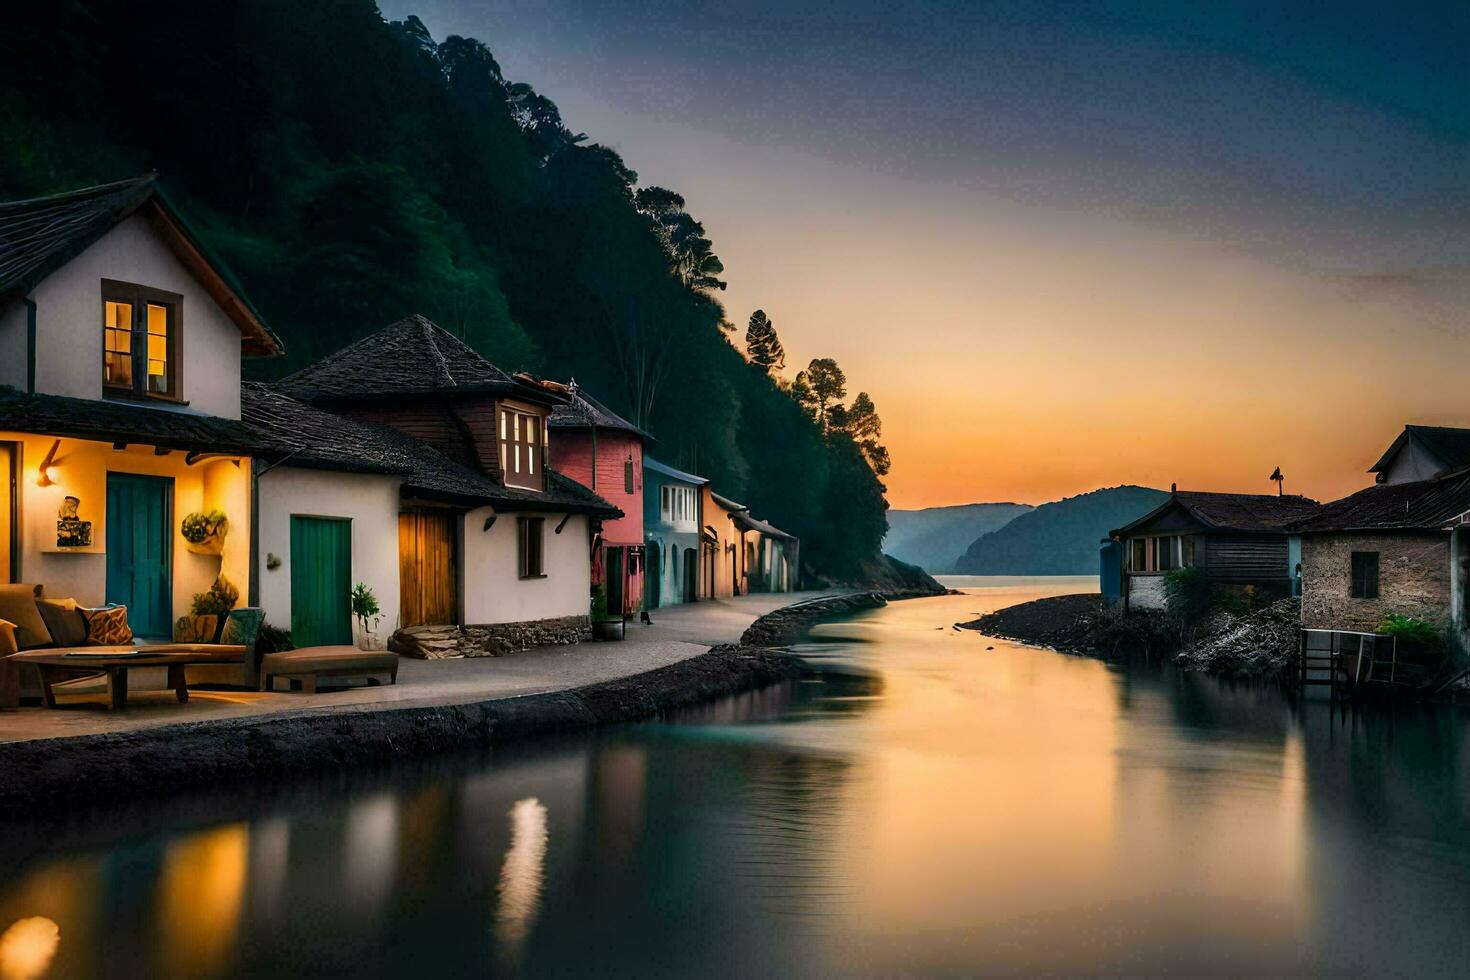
[762,345]
[863,424]
[822,385]
[691,253]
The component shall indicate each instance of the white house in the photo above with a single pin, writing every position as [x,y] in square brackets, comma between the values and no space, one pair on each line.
[120,347]
[494,547]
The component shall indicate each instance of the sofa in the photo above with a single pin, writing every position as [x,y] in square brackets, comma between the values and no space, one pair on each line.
[30,620]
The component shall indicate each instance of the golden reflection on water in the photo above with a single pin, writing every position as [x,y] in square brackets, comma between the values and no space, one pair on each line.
[200,892]
[27,948]
[521,877]
[1013,800]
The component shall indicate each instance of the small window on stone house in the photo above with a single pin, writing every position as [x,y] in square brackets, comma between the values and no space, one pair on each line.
[1364,575]
[628,475]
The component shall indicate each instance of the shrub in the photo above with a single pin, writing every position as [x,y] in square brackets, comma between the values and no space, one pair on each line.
[1240,602]
[1187,595]
[364,604]
[273,639]
[197,527]
[599,603]
[1412,632]
[218,601]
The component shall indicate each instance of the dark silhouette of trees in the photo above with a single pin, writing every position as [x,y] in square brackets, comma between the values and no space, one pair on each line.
[762,346]
[352,170]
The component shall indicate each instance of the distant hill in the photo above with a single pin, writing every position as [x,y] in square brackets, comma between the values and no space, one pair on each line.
[935,537]
[1059,538]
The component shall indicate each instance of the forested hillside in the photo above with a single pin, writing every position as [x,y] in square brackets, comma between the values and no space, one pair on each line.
[351,171]
[1059,538]
[935,537]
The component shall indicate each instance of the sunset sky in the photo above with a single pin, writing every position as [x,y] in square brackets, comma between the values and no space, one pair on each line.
[1062,246]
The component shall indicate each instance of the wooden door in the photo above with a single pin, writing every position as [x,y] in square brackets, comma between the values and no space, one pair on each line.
[321,581]
[427,573]
[140,551]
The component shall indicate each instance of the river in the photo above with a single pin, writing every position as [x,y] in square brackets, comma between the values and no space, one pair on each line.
[937,802]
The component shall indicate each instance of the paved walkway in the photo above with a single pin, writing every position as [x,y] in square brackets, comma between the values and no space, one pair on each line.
[678,633]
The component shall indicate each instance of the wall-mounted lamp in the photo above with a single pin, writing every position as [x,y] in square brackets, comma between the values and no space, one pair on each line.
[490,522]
[43,472]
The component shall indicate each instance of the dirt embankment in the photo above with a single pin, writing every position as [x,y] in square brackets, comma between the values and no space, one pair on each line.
[1260,643]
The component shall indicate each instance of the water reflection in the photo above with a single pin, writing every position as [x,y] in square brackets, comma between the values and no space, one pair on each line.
[27,947]
[927,805]
[521,877]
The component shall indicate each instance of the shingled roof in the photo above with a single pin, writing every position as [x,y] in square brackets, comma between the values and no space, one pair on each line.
[41,234]
[582,411]
[1450,446]
[411,356]
[319,439]
[127,422]
[1421,505]
[1251,513]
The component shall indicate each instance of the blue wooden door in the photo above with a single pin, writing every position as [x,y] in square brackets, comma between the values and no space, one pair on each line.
[321,581]
[140,551]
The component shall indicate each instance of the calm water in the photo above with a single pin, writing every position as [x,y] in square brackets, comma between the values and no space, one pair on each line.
[939,803]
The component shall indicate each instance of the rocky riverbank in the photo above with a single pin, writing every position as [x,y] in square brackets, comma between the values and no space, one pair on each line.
[789,623]
[1261,643]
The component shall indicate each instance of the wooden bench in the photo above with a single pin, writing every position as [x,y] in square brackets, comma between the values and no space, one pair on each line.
[308,664]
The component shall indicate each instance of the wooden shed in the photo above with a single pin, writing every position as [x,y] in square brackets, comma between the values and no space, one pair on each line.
[1239,539]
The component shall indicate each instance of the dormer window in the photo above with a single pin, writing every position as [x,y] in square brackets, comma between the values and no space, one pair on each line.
[140,342]
[521,435]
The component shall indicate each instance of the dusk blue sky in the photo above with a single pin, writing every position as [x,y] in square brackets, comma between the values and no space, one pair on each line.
[1042,222]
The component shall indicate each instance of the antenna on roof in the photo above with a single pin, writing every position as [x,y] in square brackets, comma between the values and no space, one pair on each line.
[1280,481]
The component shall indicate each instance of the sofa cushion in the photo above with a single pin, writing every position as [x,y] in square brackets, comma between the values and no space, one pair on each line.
[196,629]
[242,627]
[64,621]
[18,605]
[109,627]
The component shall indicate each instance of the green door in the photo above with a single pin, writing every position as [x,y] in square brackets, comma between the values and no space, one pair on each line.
[139,551]
[321,581]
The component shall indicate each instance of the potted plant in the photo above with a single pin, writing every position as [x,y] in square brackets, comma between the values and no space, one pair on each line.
[212,605]
[604,626]
[365,608]
[204,533]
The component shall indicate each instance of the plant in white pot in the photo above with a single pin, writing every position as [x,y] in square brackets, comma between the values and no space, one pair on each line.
[365,608]
[204,533]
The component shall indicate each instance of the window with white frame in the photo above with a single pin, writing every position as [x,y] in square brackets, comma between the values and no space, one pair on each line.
[522,446]
[678,505]
[1161,553]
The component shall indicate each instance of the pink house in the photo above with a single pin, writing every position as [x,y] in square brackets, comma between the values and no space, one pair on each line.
[604,451]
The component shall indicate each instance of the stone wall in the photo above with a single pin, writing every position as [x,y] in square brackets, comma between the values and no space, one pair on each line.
[1146,592]
[488,640]
[1413,580]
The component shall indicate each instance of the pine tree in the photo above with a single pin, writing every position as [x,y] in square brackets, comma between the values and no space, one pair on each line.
[762,345]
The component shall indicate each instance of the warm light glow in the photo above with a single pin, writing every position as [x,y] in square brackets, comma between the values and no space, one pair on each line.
[200,894]
[522,876]
[27,948]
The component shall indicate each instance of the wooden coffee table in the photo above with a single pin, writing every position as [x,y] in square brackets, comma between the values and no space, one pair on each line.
[56,666]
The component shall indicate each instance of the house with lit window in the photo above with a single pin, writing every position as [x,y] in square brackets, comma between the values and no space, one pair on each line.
[671,532]
[1238,539]
[120,405]
[494,546]
[1400,547]
[603,451]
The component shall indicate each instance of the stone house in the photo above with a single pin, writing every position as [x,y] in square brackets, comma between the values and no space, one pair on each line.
[1393,548]
[1238,539]
[1423,452]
